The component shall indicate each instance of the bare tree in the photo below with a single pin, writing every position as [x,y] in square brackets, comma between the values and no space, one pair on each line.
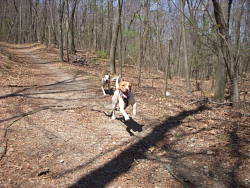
[184,43]
[143,38]
[225,48]
[71,27]
[115,37]
[108,37]
[170,44]
[61,11]
[44,24]
[67,30]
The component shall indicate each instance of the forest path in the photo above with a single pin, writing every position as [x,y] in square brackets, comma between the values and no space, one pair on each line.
[59,132]
[55,130]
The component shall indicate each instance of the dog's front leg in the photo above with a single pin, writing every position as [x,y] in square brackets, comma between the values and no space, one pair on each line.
[113,111]
[114,104]
[122,110]
[103,91]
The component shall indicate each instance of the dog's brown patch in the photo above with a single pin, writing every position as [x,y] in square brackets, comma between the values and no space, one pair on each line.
[125,86]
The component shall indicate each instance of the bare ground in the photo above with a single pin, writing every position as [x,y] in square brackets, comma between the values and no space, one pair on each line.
[55,130]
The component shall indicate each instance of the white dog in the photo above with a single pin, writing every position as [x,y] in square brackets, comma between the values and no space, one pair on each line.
[105,83]
[124,97]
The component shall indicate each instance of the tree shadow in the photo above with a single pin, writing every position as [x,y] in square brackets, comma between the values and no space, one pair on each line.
[24,92]
[123,162]
[85,164]
[46,91]
[211,167]
[235,146]
[21,115]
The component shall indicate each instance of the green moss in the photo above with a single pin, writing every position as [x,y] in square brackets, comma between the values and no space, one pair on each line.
[102,54]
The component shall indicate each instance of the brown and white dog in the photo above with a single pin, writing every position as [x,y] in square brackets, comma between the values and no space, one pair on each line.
[106,79]
[123,97]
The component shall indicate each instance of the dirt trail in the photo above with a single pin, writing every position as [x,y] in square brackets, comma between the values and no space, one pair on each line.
[64,134]
[59,133]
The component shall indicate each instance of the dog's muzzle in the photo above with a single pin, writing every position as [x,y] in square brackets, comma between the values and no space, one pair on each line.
[106,81]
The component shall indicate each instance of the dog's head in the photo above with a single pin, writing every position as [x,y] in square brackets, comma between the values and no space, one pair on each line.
[125,87]
[106,77]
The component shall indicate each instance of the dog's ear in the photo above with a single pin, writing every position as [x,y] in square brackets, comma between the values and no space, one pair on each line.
[130,86]
[119,78]
[120,84]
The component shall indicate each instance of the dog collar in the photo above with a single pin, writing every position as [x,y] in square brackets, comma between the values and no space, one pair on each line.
[124,95]
[125,98]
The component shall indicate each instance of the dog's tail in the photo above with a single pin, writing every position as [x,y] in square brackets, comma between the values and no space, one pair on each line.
[117,82]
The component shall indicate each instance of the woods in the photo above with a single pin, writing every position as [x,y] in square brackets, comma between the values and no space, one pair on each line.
[210,39]
[125,93]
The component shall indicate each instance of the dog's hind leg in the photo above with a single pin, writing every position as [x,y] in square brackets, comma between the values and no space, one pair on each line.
[114,104]
[113,111]
[134,109]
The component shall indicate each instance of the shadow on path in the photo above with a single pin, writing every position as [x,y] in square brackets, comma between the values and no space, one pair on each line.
[122,163]
[131,125]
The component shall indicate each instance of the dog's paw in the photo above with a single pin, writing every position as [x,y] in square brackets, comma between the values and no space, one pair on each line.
[113,118]
[126,118]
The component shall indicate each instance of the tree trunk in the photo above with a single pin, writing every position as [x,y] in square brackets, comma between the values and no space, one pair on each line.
[140,60]
[143,39]
[170,44]
[31,20]
[53,30]
[178,67]
[235,68]
[247,30]
[95,24]
[220,80]
[108,39]
[20,24]
[121,51]
[186,67]
[220,77]
[44,27]
[61,10]
[226,50]
[67,30]
[71,27]
[115,37]
[102,40]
